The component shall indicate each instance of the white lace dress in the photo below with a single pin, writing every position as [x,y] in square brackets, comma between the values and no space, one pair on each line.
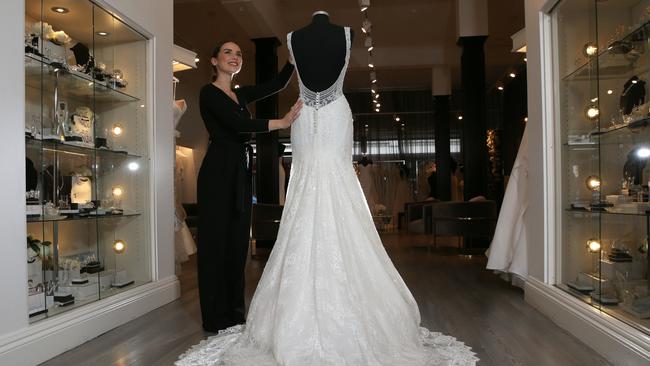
[329,294]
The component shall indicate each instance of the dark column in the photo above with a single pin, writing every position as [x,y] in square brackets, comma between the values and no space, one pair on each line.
[443,153]
[516,109]
[474,116]
[266,68]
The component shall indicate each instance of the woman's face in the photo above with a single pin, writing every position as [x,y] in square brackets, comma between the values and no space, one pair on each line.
[229,59]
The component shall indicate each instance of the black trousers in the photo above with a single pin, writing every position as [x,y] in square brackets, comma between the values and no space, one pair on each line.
[224,200]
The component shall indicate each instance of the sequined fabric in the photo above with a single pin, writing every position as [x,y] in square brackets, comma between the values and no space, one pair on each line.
[329,294]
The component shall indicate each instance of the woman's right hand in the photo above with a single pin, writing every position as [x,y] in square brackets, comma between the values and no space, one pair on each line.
[293,113]
[288,119]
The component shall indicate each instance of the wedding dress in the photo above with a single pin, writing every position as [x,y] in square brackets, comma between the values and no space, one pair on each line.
[329,294]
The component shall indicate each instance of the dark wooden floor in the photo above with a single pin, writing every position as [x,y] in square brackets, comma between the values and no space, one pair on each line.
[455,293]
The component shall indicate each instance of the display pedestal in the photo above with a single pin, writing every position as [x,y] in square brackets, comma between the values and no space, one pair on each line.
[121,280]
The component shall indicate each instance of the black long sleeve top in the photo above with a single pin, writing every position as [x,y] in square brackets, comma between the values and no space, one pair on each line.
[228,120]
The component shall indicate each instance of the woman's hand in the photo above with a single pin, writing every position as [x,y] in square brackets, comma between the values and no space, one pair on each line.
[288,119]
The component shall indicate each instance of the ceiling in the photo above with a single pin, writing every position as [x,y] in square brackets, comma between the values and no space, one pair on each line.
[410,36]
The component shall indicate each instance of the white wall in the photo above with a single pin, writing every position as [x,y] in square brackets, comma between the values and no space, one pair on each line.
[13,267]
[535,213]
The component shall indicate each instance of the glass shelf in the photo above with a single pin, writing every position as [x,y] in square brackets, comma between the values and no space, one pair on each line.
[607,64]
[39,73]
[75,217]
[590,212]
[66,148]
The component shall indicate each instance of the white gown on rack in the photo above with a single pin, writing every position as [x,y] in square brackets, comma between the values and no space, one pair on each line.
[329,294]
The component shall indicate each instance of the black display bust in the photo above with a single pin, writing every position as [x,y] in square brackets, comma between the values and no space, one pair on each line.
[319,52]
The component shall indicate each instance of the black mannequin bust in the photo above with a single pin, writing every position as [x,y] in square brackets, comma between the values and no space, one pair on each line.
[319,51]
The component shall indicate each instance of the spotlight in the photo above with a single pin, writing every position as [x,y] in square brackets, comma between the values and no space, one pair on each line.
[377,105]
[460,118]
[117,191]
[512,75]
[60,10]
[103,34]
[376,109]
[370,65]
[366,26]
[525,119]
[500,88]
[367,43]
[364,4]
[610,91]
[592,112]
[643,152]
[590,49]
[593,183]
[593,245]
[133,166]
[117,129]
[377,96]
[196,59]
[397,118]
[119,246]
[236,86]
[525,59]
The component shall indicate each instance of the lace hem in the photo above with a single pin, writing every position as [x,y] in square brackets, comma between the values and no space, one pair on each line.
[441,350]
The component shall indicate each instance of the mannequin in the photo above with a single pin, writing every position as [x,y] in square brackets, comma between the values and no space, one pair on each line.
[183,242]
[319,50]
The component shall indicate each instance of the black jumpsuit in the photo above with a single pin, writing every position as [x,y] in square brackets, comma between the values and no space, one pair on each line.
[224,199]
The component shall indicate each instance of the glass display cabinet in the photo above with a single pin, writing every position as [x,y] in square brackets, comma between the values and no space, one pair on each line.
[87,156]
[602,67]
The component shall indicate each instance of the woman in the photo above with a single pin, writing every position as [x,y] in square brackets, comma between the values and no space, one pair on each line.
[224,185]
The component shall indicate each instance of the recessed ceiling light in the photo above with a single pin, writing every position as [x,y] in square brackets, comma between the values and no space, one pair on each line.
[60,10]
[460,117]
[103,34]
[512,75]
[610,91]
[371,65]
[397,118]
[376,109]
[500,87]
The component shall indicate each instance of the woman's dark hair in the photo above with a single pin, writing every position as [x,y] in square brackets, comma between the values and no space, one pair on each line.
[215,53]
